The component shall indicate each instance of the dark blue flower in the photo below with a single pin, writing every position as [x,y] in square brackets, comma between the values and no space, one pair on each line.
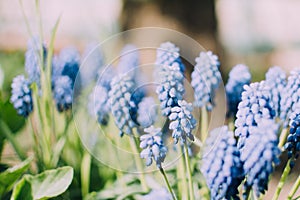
[167,55]
[21,96]
[153,146]
[63,93]
[238,77]
[182,122]
[221,166]
[121,103]
[147,112]
[255,105]
[206,78]
[259,155]
[293,140]
[170,89]
[276,81]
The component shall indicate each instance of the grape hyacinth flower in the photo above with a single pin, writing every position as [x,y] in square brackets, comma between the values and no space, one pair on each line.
[182,122]
[21,97]
[153,146]
[276,81]
[259,155]
[255,105]
[129,61]
[206,78]
[121,104]
[161,194]
[33,59]
[238,77]
[63,93]
[146,112]
[290,96]
[98,104]
[168,54]
[222,167]
[293,140]
[170,89]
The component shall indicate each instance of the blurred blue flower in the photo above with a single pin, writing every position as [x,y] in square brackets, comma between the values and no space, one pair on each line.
[63,93]
[33,59]
[221,165]
[293,140]
[98,104]
[121,103]
[21,97]
[105,76]
[147,112]
[153,146]
[276,81]
[168,54]
[182,122]
[161,194]
[290,96]
[206,78]
[259,155]
[171,88]
[255,105]
[238,77]
[129,61]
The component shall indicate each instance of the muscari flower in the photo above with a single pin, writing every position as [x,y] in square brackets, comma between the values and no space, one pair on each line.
[182,122]
[121,104]
[63,93]
[153,146]
[259,155]
[255,105]
[222,167]
[21,96]
[147,112]
[293,140]
[206,78]
[290,96]
[129,61]
[98,104]
[238,77]
[33,59]
[168,54]
[161,194]
[276,81]
[170,89]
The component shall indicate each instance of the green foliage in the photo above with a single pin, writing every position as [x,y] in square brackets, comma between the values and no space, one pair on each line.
[48,184]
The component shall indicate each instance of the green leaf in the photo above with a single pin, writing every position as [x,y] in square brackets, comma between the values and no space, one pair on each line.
[51,183]
[22,190]
[11,175]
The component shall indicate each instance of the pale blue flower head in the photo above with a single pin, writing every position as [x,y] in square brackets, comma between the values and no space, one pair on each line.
[147,112]
[161,194]
[63,93]
[129,61]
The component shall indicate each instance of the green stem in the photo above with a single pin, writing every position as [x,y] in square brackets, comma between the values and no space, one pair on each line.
[283,136]
[188,167]
[183,187]
[85,173]
[9,136]
[138,162]
[294,188]
[204,123]
[167,182]
[284,175]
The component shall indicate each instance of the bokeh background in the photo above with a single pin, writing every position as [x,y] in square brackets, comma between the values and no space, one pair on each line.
[258,33]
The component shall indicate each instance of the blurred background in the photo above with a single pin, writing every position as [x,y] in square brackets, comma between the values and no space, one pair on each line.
[258,33]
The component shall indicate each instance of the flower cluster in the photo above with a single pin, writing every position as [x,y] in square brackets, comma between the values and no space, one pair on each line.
[147,112]
[255,105]
[162,194]
[171,88]
[276,81]
[293,140]
[290,96]
[206,78]
[167,55]
[63,93]
[183,122]
[129,61]
[260,154]
[121,103]
[21,96]
[238,77]
[221,165]
[153,146]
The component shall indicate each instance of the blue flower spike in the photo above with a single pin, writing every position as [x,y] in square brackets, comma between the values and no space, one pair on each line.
[21,97]
[147,112]
[63,93]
